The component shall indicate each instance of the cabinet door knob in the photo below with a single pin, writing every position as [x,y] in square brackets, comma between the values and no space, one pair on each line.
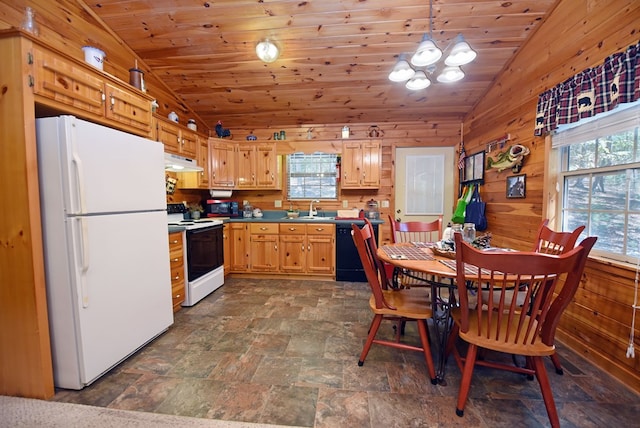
[177,277]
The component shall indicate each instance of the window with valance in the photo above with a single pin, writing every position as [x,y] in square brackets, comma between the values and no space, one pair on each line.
[593,91]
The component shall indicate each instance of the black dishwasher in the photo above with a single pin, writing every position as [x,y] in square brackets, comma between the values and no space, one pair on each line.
[348,265]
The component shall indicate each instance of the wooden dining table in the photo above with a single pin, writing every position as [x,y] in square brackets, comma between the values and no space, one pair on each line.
[440,276]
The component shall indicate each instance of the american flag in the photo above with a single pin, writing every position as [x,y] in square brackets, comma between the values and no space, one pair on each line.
[463,155]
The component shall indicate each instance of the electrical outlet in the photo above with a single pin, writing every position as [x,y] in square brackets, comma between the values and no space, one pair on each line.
[277,204]
[384,204]
[345,204]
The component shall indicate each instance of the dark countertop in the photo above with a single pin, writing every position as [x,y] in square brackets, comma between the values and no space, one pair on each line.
[281,217]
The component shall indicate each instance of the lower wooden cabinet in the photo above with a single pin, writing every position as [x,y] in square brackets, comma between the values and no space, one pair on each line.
[293,248]
[263,247]
[321,253]
[239,242]
[176,259]
[226,247]
[307,248]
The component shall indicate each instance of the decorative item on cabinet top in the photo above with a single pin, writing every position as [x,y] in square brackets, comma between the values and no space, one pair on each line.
[222,132]
[375,132]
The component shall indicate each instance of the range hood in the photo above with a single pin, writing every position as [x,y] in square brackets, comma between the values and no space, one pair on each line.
[177,163]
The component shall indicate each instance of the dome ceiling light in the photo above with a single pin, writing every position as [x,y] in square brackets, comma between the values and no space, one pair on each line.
[425,61]
[267,51]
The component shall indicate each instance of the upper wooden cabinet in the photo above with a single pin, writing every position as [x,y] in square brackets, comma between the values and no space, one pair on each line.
[361,164]
[198,180]
[257,166]
[222,155]
[177,139]
[67,84]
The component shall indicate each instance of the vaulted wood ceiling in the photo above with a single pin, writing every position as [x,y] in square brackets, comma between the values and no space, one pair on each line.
[335,54]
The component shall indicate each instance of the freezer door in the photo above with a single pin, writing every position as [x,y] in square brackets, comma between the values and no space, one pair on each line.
[101,170]
[122,289]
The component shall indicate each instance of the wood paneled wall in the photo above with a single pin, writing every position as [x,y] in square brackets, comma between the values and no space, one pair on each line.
[328,138]
[577,35]
[70,25]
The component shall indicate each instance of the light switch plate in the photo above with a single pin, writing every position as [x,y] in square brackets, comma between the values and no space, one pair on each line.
[345,204]
[385,204]
[277,204]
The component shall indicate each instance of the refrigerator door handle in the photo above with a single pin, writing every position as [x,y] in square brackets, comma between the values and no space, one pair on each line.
[79,178]
[82,235]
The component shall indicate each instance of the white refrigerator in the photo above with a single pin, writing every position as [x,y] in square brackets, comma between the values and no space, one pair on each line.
[103,209]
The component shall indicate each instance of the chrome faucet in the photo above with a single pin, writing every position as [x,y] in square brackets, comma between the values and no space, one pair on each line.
[313,212]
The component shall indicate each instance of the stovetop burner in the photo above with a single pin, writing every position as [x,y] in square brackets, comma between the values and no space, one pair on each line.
[175,217]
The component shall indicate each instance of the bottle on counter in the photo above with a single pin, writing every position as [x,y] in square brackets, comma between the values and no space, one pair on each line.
[447,235]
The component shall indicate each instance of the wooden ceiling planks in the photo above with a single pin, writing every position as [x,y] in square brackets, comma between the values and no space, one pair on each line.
[336,54]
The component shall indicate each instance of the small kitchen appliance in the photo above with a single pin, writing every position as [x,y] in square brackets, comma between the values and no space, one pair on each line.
[221,208]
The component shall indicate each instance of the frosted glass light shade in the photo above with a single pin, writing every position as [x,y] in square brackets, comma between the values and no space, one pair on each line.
[461,53]
[267,51]
[427,53]
[418,81]
[402,71]
[450,74]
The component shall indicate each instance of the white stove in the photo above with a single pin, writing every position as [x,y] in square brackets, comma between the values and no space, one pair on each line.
[178,220]
[175,217]
[203,253]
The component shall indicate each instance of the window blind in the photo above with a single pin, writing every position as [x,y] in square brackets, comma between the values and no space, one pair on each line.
[312,176]
[623,118]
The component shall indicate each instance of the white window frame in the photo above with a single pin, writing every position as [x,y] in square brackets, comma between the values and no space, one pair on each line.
[324,180]
[596,130]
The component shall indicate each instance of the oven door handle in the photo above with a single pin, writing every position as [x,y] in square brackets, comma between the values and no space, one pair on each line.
[203,229]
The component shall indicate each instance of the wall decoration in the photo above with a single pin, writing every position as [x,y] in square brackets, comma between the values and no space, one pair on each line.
[516,186]
[498,142]
[512,157]
[170,184]
[473,170]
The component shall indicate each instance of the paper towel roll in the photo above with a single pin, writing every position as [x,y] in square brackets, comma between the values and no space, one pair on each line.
[220,193]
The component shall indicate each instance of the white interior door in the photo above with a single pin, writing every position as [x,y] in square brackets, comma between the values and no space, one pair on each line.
[424,183]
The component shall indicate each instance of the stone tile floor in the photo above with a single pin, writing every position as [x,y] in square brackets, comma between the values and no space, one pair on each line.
[285,352]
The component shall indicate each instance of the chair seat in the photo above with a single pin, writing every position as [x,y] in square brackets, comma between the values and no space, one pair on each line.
[410,303]
[508,346]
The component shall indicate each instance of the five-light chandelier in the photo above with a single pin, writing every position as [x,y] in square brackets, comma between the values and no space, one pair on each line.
[424,61]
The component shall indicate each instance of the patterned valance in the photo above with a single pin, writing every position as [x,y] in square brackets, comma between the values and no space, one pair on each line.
[590,92]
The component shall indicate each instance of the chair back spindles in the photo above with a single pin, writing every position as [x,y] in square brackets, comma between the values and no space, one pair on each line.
[549,241]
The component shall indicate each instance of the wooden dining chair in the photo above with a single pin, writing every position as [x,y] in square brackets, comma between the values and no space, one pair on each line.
[549,241]
[413,231]
[416,231]
[397,305]
[507,327]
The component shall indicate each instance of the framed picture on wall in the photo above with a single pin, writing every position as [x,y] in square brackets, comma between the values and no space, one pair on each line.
[516,186]
[473,168]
